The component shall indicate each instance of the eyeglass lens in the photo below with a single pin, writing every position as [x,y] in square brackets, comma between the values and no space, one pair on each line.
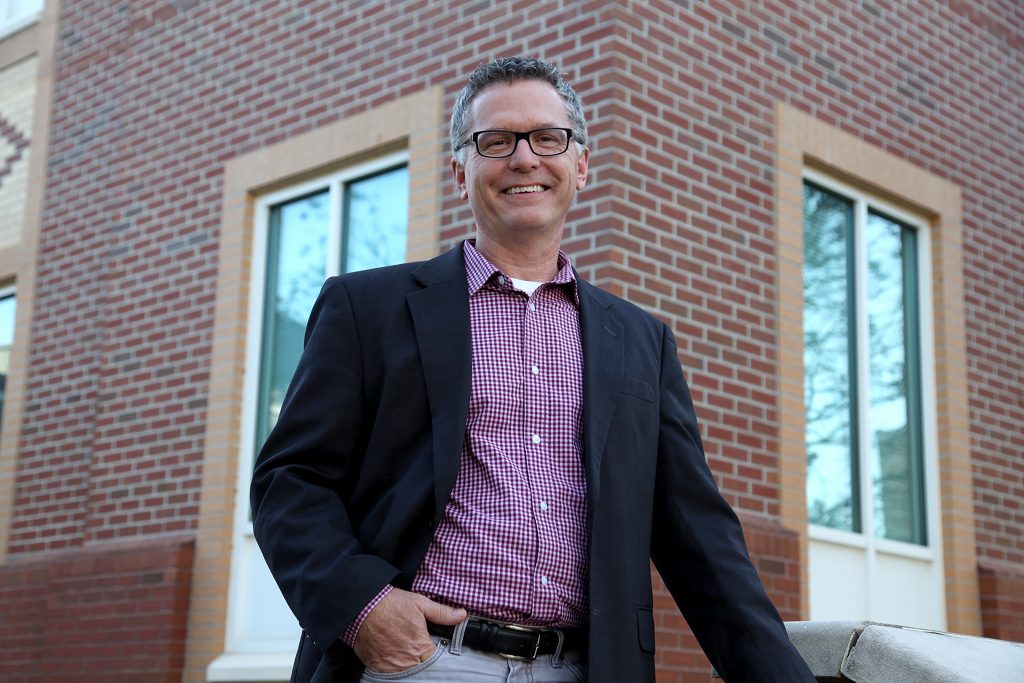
[543,142]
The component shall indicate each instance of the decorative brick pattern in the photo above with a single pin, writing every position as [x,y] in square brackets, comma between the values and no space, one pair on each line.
[17,95]
[110,614]
[152,97]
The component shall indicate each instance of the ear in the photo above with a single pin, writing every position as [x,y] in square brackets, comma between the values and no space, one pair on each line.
[581,169]
[459,176]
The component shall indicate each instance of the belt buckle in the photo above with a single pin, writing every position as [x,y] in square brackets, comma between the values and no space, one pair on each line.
[536,644]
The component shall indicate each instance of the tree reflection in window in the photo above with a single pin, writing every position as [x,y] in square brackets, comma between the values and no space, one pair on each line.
[891,384]
[295,271]
[376,222]
[894,419]
[829,363]
[374,212]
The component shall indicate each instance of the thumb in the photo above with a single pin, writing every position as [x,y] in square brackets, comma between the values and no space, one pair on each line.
[437,613]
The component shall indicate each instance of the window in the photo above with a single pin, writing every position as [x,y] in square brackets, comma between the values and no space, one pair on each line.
[303,246]
[850,573]
[351,220]
[872,554]
[6,340]
[15,14]
[862,375]
[364,168]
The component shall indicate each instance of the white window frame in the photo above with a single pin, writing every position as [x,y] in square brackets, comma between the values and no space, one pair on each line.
[866,540]
[12,23]
[271,660]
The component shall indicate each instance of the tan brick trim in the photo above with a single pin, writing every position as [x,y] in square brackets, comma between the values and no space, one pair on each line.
[414,123]
[801,141]
[18,261]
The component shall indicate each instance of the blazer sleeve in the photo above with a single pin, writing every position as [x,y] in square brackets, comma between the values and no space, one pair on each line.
[699,550]
[301,476]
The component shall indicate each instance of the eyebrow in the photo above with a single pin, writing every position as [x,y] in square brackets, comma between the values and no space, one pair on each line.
[534,127]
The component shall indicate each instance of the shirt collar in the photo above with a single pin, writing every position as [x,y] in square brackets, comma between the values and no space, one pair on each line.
[479,271]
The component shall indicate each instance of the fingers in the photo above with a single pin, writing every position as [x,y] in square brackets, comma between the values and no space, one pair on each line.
[441,614]
[394,635]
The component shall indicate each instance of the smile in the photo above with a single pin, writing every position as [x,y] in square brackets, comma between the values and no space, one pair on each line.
[525,189]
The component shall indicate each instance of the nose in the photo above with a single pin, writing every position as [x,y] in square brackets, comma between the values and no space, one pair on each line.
[522,156]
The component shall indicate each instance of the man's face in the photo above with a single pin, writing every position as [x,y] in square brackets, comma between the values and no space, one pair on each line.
[523,195]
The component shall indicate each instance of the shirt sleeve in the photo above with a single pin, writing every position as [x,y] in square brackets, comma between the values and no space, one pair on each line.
[349,636]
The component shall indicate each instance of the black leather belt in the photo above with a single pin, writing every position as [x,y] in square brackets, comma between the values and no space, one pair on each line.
[511,640]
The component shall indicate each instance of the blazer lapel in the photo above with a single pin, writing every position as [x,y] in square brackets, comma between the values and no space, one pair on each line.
[602,342]
[440,314]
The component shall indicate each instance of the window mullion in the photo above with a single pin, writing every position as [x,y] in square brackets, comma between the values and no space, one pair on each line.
[862,393]
[336,230]
[862,352]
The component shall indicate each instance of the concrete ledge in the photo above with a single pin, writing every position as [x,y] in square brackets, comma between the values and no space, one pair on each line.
[866,652]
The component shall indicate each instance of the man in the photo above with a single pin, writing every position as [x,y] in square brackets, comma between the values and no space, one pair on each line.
[480,454]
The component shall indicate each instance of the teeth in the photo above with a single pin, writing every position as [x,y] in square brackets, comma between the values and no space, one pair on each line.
[528,188]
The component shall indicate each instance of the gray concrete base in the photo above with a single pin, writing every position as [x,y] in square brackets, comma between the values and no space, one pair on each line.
[866,652]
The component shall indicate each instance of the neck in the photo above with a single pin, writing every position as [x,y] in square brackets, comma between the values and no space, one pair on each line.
[536,262]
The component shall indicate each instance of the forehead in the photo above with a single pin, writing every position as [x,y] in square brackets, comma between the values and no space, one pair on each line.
[519,105]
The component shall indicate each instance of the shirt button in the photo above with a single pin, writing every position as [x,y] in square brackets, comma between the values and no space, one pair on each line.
[535,438]
[501,279]
[535,370]
[543,505]
[544,580]
[531,306]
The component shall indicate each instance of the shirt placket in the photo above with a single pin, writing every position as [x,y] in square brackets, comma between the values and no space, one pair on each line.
[538,451]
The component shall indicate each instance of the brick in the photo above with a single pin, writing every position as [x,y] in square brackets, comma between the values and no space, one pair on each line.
[151,98]
[118,611]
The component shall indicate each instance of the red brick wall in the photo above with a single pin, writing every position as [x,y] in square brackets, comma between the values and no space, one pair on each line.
[775,552]
[1002,601]
[151,97]
[114,614]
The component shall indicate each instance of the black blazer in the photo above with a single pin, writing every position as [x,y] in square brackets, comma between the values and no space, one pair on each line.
[355,476]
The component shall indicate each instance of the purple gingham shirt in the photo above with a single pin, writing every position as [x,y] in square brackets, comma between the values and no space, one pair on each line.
[512,544]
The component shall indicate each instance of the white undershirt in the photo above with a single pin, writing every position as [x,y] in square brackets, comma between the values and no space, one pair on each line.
[526,286]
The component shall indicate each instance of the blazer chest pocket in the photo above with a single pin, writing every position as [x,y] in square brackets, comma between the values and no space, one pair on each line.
[637,388]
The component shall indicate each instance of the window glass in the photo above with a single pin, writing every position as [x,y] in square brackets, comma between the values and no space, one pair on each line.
[23,7]
[296,269]
[828,361]
[375,222]
[14,12]
[373,233]
[6,341]
[845,405]
[894,429]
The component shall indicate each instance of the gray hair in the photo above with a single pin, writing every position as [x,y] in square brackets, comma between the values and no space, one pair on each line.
[508,70]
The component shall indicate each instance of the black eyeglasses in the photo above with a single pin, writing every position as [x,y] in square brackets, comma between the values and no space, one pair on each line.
[544,142]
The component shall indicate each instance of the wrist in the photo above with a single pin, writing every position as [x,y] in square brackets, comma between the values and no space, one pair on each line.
[350,634]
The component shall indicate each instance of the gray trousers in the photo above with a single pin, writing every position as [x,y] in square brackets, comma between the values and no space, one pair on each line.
[451,663]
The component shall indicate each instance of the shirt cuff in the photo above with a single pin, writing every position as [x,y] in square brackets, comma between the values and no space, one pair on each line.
[349,636]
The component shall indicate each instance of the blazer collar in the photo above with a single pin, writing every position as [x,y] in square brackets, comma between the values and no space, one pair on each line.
[440,313]
[601,335]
